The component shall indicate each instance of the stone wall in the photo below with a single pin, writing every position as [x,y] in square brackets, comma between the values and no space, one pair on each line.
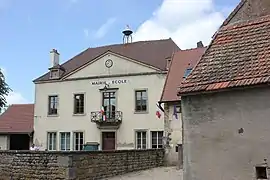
[76,165]
[226,134]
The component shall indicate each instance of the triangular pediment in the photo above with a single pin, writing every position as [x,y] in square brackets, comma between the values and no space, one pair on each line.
[110,63]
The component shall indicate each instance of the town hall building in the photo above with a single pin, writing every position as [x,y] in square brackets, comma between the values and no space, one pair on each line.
[105,97]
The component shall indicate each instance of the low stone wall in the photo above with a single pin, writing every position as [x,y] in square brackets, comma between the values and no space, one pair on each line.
[76,165]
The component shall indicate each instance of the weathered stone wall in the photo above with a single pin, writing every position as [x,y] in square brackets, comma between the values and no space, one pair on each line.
[226,134]
[76,165]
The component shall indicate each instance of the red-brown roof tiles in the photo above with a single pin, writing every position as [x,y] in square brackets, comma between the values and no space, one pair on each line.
[238,56]
[180,62]
[153,53]
[18,118]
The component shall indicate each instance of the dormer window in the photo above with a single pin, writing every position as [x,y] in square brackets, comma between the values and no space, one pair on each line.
[187,72]
[168,63]
[54,74]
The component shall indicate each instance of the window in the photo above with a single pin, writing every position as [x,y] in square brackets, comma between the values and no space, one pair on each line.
[54,74]
[156,139]
[78,141]
[141,140]
[178,108]
[79,104]
[109,104]
[141,101]
[187,72]
[261,172]
[53,105]
[65,141]
[51,141]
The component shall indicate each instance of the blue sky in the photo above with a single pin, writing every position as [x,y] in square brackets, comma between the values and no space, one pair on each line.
[31,28]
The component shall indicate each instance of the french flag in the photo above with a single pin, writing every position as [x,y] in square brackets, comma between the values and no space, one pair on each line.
[102,111]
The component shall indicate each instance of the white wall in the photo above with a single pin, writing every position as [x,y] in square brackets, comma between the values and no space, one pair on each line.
[67,122]
[4,142]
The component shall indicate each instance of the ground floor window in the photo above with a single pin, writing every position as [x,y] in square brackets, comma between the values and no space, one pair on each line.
[156,139]
[141,139]
[51,139]
[65,141]
[78,141]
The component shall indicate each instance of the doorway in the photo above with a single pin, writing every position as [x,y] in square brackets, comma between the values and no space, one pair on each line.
[19,142]
[108,140]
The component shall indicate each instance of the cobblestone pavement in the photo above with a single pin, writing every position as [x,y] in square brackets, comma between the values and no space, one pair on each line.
[163,173]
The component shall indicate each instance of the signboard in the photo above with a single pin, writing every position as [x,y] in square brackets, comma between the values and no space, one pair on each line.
[116,81]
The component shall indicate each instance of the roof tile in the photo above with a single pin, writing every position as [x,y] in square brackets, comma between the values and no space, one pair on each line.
[153,53]
[180,62]
[238,55]
[18,118]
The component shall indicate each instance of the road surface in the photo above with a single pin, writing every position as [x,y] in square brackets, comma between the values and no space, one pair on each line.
[163,173]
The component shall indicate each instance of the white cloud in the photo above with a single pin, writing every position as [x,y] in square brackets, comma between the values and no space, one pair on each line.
[103,30]
[185,21]
[13,97]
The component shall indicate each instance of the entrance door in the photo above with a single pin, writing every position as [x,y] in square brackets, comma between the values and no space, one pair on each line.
[108,140]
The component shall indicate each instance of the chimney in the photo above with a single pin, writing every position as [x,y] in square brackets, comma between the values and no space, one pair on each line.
[200,44]
[54,58]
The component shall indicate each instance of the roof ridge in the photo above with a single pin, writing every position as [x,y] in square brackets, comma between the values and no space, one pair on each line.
[108,45]
[22,104]
[259,20]
[233,13]
[193,48]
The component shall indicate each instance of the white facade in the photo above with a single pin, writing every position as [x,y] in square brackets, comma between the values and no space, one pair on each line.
[125,77]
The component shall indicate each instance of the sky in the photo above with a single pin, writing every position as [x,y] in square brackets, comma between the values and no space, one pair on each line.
[29,29]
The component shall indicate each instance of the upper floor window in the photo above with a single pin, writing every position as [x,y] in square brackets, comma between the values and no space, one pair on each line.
[79,104]
[53,105]
[109,104]
[141,100]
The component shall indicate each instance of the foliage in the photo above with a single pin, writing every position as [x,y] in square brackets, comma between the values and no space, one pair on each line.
[4,90]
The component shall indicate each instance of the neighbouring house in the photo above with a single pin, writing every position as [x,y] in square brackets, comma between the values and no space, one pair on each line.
[182,63]
[105,96]
[16,127]
[226,104]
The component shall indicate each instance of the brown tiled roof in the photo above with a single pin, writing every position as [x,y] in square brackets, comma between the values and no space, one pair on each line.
[181,61]
[18,118]
[152,53]
[238,56]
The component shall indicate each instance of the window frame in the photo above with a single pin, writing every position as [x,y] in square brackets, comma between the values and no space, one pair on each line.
[50,110]
[74,140]
[60,141]
[158,146]
[135,101]
[75,104]
[54,146]
[116,98]
[141,143]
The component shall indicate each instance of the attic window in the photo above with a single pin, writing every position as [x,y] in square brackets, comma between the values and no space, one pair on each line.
[261,172]
[187,72]
[54,74]
[168,63]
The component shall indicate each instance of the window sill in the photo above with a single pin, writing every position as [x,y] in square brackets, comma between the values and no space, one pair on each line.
[79,114]
[141,112]
[52,115]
